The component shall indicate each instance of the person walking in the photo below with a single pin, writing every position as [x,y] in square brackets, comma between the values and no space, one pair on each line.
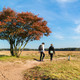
[41,49]
[51,51]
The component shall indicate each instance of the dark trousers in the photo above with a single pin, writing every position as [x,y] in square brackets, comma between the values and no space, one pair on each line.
[51,56]
[42,55]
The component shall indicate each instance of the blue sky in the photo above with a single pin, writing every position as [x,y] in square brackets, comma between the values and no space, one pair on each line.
[63,17]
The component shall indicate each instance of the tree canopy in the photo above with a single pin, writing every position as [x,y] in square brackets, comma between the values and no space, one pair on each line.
[20,28]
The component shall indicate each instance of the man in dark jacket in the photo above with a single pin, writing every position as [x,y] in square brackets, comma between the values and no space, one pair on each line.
[51,51]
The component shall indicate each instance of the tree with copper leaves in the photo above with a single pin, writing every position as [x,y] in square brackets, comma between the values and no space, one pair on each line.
[20,28]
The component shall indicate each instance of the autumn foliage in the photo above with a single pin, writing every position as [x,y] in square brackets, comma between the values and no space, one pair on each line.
[20,28]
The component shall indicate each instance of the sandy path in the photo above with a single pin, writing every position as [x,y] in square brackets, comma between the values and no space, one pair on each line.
[13,70]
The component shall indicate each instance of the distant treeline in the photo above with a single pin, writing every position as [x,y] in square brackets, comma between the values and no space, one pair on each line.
[56,49]
[67,49]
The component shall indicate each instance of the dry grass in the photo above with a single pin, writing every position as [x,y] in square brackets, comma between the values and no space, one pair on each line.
[36,52]
[26,55]
[57,69]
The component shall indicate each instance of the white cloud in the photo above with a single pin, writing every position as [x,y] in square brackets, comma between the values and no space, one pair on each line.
[77,21]
[77,29]
[65,1]
[76,37]
[58,36]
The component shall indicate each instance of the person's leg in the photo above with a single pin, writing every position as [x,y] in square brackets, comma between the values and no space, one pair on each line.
[51,56]
[40,56]
[43,55]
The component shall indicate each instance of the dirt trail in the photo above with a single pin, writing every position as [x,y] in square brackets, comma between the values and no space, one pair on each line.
[13,70]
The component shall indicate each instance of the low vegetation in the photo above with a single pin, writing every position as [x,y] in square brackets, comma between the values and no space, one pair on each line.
[59,69]
[56,70]
[28,55]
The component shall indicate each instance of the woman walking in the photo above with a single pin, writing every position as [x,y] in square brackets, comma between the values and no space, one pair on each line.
[51,52]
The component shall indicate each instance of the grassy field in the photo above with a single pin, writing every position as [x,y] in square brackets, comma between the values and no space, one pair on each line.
[56,70]
[28,55]
[59,69]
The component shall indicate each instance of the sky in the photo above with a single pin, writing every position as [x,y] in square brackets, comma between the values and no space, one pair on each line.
[63,17]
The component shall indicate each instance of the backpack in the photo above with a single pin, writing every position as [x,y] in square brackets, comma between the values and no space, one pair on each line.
[40,48]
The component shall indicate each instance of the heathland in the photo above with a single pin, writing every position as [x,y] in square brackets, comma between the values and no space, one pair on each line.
[28,66]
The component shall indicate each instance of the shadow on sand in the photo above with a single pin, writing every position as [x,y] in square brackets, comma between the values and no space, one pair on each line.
[36,60]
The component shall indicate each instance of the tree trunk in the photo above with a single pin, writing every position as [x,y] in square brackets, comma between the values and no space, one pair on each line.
[22,49]
[11,48]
